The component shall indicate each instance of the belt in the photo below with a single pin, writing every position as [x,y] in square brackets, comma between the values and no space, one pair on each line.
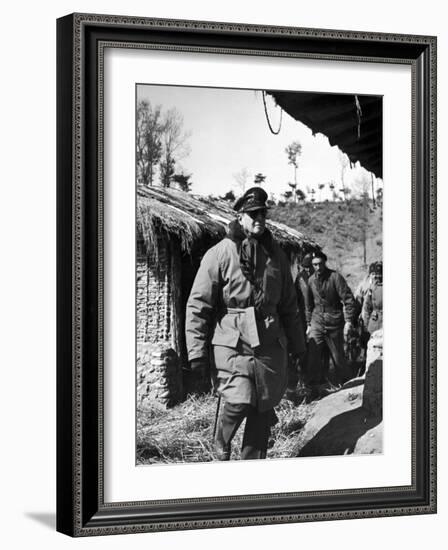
[250,322]
[327,309]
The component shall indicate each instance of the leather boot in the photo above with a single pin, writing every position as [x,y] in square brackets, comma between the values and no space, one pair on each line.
[230,420]
[222,451]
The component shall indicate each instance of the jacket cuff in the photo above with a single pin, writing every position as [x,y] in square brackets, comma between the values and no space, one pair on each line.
[197,355]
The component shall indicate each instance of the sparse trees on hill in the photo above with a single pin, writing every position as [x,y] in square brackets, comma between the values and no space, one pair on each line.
[294,195]
[161,144]
[149,140]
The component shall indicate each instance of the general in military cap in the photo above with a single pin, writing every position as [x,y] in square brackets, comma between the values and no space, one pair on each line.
[253,199]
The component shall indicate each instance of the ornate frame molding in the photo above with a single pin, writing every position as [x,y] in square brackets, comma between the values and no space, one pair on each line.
[81,42]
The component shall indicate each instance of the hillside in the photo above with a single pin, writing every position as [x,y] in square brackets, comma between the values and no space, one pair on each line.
[339,228]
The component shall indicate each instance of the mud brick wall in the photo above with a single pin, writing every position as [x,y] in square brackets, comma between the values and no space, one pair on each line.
[159,375]
[153,294]
[159,372]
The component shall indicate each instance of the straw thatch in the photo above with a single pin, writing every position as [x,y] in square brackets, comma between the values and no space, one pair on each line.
[192,219]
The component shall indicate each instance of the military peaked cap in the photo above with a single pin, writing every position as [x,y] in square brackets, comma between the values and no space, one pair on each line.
[253,199]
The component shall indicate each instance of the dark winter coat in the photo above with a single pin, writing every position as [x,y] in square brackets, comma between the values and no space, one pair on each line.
[301,285]
[250,345]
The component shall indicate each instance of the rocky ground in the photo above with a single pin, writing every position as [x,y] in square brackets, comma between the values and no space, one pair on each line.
[340,425]
[345,420]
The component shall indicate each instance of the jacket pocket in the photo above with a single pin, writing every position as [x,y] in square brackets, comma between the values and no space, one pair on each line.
[225,337]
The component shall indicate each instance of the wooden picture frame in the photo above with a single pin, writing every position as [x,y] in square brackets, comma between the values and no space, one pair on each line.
[81,508]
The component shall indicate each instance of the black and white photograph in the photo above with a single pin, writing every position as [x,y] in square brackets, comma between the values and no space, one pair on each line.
[188,187]
[259,274]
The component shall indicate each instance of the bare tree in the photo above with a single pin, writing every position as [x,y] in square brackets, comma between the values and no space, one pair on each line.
[241,178]
[293,151]
[343,161]
[174,145]
[149,145]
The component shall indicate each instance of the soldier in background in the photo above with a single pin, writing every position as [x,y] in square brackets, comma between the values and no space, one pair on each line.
[330,315]
[372,311]
[301,284]
[302,279]
[364,286]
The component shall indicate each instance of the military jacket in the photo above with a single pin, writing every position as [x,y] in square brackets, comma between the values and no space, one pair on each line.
[330,301]
[219,314]
[372,311]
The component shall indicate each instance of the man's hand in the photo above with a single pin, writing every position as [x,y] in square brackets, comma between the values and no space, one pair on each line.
[348,327]
[298,357]
[199,366]
[308,331]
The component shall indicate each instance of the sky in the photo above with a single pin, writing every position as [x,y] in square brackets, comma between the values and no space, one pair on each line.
[229,133]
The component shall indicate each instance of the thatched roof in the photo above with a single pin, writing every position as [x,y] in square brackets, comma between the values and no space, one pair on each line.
[193,219]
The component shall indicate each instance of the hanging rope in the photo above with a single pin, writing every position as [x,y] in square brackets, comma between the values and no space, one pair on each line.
[358,114]
[267,116]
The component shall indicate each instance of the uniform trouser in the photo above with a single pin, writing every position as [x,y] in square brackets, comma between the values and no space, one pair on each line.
[299,369]
[321,343]
[256,431]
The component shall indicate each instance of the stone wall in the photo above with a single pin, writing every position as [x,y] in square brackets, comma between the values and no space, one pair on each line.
[153,294]
[159,370]
[159,375]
